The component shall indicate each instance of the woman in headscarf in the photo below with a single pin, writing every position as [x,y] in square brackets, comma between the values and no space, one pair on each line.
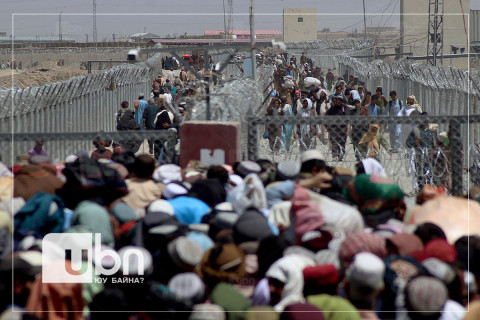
[368,145]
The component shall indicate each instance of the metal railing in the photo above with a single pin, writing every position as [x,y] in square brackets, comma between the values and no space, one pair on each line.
[409,165]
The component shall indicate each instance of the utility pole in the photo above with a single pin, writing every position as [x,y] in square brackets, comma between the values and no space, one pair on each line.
[435,32]
[95,21]
[252,41]
[60,27]
[224,20]
[364,23]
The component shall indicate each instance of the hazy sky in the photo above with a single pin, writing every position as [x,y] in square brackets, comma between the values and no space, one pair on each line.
[191,16]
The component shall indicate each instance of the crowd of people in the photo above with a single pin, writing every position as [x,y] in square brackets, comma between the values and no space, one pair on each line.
[247,240]
[255,240]
[303,92]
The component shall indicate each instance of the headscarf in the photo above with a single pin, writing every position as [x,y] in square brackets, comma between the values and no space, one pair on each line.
[250,194]
[372,166]
[415,104]
[302,311]
[373,193]
[361,242]
[289,271]
[96,218]
[58,300]
[332,307]
[224,262]
[370,138]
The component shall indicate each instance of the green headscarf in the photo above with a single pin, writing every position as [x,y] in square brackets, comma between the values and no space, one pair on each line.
[332,305]
[373,193]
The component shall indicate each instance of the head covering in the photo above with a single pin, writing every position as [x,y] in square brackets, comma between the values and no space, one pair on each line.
[426,294]
[440,270]
[361,242]
[311,155]
[230,299]
[321,275]
[209,191]
[262,313]
[307,213]
[185,252]
[405,243]
[207,312]
[251,226]
[251,194]
[173,190]
[399,270]
[59,299]
[366,270]
[224,262]
[244,168]
[288,270]
[438,248]
[372,166]
[124,104]
[167,173]
[187,285]
[32,179]
[332,307]
[288,170]
[327,257]
[95,218]
[160,206]
[374,194]
[302,311]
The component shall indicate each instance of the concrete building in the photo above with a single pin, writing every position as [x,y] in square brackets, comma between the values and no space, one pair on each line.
[414,25]
[299,24]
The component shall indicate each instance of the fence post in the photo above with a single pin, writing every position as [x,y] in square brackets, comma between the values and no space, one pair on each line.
[456,147]
[252,141]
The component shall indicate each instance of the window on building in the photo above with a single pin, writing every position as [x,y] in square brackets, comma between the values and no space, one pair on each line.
[300,19]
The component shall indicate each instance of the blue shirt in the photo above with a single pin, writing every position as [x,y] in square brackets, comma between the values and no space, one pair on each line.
[394,107]
[139,112]
[372,110]
[188,210]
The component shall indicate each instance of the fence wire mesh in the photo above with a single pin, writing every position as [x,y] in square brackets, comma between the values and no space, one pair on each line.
[61,145]
[414,150]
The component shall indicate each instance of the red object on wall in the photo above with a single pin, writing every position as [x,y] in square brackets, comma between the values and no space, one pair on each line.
[210,142]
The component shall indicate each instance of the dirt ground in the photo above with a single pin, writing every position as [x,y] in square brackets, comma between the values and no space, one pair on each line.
[45,72]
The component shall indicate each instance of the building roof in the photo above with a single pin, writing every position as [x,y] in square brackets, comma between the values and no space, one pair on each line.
[144,35]
[243,32]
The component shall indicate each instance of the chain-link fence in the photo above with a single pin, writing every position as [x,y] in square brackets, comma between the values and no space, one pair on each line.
[60,145]
[414,150]
[439,90]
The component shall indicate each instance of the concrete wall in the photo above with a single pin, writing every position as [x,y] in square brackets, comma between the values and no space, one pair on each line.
[299,24]
[413,28]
